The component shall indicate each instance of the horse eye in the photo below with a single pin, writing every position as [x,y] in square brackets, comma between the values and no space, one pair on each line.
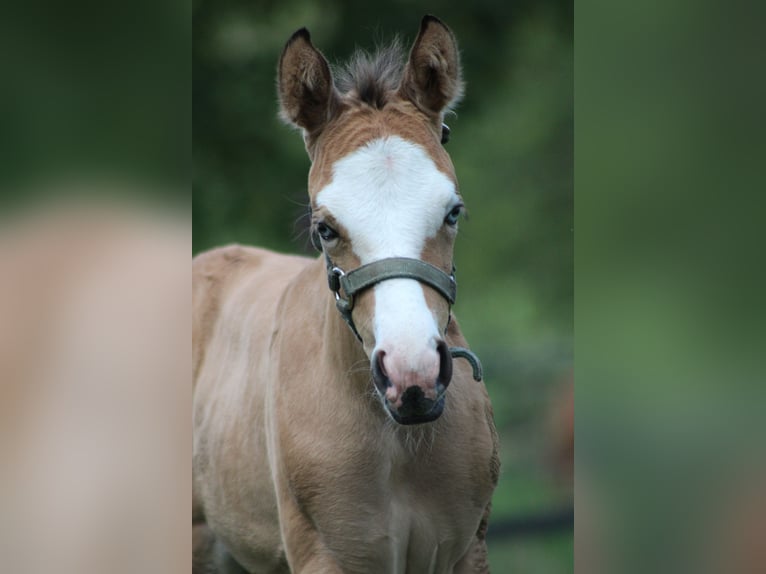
[326,232]
[453,215]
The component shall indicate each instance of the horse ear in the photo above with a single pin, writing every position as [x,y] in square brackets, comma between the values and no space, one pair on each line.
[307,95]
[432,78]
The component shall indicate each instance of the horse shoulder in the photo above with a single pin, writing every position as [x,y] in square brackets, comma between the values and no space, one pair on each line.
[217,273]
[211,271]
[235,290]
[475,412]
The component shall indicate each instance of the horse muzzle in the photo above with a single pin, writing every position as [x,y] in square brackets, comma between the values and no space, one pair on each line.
[416,408]
[413,396]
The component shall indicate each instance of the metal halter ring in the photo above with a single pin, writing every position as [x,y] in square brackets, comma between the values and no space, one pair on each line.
[334,277]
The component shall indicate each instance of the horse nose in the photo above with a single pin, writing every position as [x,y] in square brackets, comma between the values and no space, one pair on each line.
[445,363]
[402,376]
[379,374]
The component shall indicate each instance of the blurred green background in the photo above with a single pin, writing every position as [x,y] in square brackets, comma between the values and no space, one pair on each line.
[96,92]
[512,146]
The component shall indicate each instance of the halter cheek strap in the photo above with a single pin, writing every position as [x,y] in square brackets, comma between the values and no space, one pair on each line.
[373,273]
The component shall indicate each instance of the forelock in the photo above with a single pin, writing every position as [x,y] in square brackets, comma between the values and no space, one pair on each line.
[372,78]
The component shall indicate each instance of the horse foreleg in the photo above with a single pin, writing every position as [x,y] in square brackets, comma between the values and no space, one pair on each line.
[209,555]
[475,560]
[306,553]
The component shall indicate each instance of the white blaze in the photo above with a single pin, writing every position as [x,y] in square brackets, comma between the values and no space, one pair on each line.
[390,197]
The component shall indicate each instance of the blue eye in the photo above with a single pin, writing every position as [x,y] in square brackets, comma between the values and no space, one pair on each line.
[454,214]
[326,232]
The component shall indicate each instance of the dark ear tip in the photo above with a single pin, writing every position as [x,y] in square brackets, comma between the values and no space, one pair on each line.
[303,33]
[428,19]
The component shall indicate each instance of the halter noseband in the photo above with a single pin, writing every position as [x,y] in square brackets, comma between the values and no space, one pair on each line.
[373,273]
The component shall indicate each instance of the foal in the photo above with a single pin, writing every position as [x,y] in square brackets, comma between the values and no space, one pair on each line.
[332,432]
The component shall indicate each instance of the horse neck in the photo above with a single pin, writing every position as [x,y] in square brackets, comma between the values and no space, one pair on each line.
[340,347]
[346,369]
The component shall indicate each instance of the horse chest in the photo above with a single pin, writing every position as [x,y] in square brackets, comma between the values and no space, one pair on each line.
[422,534]
[395,509]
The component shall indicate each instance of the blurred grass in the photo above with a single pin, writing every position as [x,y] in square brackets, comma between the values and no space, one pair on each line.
[539,555]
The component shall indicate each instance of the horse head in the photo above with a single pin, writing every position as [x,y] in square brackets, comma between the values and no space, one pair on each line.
[384,197]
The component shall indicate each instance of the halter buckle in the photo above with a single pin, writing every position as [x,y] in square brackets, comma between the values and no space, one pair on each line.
[333,280]
[344,305]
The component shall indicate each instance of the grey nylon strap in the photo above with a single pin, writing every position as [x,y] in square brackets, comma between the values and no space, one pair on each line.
[368,275]
[399,268]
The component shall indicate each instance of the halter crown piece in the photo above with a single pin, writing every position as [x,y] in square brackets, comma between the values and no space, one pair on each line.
[366,276]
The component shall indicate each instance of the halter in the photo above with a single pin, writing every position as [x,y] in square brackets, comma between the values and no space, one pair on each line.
[366,276]
[369,275]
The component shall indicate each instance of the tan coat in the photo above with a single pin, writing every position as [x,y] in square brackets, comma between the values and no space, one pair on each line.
[293,452]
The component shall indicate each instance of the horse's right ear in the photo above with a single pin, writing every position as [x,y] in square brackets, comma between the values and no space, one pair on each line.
[307,95]
[432,78]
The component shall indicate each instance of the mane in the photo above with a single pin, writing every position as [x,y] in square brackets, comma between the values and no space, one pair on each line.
[371,77]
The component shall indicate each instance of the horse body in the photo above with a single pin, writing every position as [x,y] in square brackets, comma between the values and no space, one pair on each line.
[288,433]
[235,291]
[300,463]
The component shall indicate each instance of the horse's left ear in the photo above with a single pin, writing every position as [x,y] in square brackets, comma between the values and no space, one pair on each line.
[307,95]
[432,78]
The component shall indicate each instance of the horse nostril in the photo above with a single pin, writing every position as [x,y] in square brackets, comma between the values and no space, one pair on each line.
[379,374]
[379,360]
[445,363]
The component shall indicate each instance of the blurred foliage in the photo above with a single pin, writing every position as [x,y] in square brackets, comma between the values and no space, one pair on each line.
[512,148]
[95,90]
[670,332]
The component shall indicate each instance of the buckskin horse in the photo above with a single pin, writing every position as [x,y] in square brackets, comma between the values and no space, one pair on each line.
[332,432]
